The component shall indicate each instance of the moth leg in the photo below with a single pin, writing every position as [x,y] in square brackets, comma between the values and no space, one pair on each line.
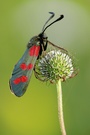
[58,47]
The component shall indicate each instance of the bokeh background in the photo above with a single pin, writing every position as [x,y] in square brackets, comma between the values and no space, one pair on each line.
[36,112]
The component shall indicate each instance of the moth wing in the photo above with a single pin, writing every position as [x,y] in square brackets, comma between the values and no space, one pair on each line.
[23,70]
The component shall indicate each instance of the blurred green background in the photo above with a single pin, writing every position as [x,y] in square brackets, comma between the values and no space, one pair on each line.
[36,112]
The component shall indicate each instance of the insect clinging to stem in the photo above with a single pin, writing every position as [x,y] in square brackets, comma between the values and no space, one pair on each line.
[23,69]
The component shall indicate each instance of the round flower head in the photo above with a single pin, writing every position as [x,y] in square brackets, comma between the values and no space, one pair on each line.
[53,66]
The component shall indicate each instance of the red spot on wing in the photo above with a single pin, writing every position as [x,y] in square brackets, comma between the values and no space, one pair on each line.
[29,66]
[17,81]
[20,79]
[24,78]
[23,66]
[31,51]
[34,50]
[37,49]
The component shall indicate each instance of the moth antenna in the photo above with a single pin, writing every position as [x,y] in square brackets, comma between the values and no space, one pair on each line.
[61,17]
[52,15]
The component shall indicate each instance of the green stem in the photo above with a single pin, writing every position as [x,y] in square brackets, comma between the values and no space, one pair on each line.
[60,107]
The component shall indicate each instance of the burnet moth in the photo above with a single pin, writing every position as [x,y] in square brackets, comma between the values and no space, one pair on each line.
[23,69]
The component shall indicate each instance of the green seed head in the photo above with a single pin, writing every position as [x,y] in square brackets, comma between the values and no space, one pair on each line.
[53,66]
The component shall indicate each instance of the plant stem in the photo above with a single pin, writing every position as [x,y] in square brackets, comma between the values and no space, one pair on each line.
[60,108]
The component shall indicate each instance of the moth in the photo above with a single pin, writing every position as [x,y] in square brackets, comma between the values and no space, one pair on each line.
[35,48]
